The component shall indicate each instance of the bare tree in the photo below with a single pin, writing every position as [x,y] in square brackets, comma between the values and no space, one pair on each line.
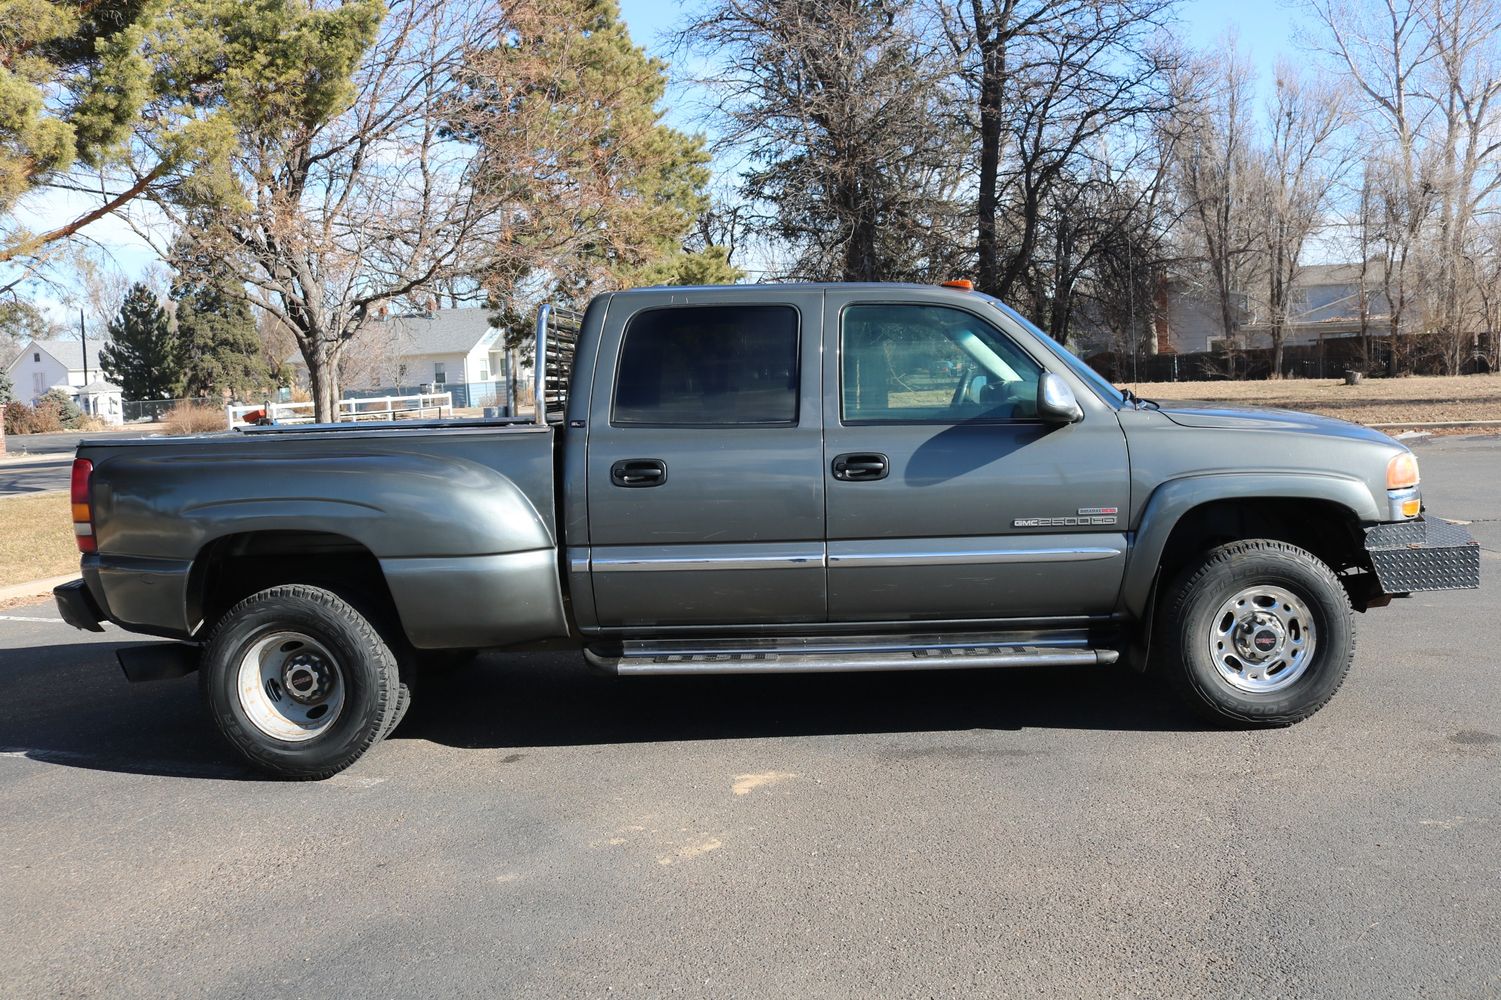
[326,218]
[1465,91]
[1303,162]
[1046,85]
[837,108]
[1216,174]
[1430,76]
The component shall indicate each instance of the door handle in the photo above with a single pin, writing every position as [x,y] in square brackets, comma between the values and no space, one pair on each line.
[860,467]
[638,473]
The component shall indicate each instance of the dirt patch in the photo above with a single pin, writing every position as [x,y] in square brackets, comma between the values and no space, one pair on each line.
[36,538]
[1416,399]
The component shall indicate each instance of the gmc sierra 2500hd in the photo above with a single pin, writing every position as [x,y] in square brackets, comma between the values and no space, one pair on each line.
[754,479]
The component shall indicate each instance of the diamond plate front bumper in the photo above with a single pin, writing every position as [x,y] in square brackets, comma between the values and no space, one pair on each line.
[1426,554]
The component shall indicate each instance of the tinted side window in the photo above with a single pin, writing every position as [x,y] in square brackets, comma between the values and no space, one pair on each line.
[708,365]
[931,364]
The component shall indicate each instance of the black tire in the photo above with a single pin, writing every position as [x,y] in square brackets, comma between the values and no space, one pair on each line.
[403,702]
[370,697]
[1187,629]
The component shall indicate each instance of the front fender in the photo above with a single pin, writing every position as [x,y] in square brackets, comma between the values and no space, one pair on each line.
[1173,499]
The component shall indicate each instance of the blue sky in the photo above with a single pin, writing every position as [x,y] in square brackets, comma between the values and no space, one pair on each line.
[1266,30]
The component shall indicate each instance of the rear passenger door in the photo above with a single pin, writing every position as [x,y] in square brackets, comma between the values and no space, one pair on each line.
[705,457]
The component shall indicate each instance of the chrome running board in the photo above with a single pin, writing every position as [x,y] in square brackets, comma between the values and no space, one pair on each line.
[836,654]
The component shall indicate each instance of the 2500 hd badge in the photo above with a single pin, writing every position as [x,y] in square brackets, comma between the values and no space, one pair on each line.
[1086,515]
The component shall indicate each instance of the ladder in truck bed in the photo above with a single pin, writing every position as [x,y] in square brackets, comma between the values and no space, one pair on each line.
[557,339]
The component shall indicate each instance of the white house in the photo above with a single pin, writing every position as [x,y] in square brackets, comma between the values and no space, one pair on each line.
[62,364]
[451,350]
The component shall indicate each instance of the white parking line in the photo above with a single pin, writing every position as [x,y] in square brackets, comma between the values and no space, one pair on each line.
[25,618]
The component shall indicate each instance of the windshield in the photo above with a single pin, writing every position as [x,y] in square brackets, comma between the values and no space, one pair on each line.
[1096,381]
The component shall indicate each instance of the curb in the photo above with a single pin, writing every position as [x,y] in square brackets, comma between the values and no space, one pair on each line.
[1420,425]
[33,588]
[30,458]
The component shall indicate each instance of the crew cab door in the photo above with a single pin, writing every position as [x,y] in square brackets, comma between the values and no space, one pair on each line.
[705,457]
[948,499]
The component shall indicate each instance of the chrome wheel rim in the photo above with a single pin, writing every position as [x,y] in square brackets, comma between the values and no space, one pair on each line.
[1262,639]
[290,686]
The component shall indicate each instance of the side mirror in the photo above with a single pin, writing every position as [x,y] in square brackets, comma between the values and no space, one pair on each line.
[1056,402]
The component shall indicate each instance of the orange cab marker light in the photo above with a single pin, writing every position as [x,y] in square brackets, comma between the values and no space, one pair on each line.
[961,283]
[83,514]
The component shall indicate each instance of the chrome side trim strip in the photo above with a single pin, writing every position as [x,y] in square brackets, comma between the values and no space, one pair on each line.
[972,558]
[656,564]
[578,559]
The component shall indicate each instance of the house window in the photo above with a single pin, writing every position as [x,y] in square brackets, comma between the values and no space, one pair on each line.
[440,373]
[484,373]
[37,357]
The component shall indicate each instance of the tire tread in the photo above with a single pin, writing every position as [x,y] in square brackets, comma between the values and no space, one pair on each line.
[389,704]
[1182,680]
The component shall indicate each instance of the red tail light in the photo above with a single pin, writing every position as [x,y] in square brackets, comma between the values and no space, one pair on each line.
[83,512]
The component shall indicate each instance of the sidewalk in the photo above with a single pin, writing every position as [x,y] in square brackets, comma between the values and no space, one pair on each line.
[29,459]
[19,592]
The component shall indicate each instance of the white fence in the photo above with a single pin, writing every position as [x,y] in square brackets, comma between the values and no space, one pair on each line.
[418,405]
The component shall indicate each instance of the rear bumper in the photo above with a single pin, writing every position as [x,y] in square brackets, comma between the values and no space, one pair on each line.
[78,606]
[1425,554]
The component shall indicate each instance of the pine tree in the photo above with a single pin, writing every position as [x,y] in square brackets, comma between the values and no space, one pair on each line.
[566,114]
[141,356]
[218,348]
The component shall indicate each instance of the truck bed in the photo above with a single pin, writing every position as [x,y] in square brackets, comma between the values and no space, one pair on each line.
[459,517]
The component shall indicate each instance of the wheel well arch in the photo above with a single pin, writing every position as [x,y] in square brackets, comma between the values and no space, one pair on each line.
[1326,528]
[230,568]
[1329,530]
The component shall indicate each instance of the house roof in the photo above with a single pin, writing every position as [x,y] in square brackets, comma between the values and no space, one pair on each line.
[1340,274]
[69,353]
[98,386]
[443,331]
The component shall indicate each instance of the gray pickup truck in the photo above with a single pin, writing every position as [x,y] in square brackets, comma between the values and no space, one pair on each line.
[756,479]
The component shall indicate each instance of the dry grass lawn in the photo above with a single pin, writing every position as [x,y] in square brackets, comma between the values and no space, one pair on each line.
[36,538]
[1416,399]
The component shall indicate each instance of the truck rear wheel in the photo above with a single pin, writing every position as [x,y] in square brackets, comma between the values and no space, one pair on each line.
[299,682]
[1258,633]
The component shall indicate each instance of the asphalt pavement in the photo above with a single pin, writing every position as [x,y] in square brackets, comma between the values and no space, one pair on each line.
[31,476]
[62,442]
[534,830]
[34,477]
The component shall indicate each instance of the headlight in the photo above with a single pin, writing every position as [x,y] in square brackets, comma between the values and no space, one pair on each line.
[1402,471]
[1403,498]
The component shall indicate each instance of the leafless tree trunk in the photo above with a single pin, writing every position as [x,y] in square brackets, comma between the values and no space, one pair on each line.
[334,219]
[1303,162]
[1216,174]
[1047,84]
[837,108]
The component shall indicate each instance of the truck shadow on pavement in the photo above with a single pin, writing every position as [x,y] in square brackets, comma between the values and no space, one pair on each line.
[70,705]
[503,700]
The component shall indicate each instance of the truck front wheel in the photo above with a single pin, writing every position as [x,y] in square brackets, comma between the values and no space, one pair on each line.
[1257,633]
[299,682]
